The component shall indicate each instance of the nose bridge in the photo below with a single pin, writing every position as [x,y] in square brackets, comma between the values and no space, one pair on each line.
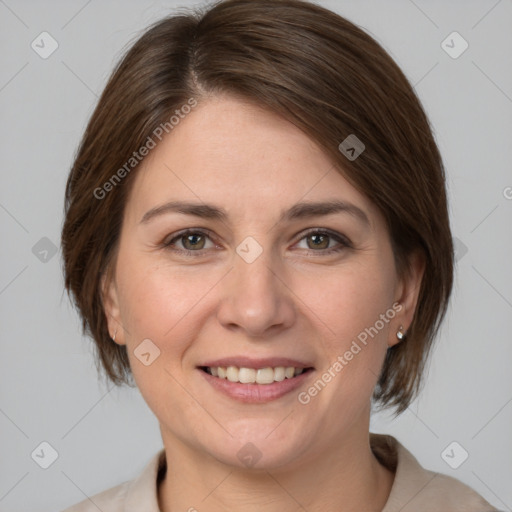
[255,279]
[255,298]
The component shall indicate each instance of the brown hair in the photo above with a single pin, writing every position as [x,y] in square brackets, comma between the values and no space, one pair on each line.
[319,71]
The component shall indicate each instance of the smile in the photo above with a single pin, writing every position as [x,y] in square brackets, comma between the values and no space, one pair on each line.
[264,376]
[256,385]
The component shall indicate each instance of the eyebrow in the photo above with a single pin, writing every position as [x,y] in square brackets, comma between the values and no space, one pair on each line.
[298,211]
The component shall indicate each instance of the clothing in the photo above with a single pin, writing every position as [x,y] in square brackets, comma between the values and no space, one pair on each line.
[414,489]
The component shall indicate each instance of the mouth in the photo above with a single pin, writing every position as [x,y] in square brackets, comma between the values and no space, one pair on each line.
[263,376]
[255,381]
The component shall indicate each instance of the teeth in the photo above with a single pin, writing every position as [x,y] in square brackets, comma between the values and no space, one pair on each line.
[279,373]
[264,375]
[245,375]
[289,371]
[251,376]
[232,374]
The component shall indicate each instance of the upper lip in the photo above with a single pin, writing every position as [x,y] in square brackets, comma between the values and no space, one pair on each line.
[256,363]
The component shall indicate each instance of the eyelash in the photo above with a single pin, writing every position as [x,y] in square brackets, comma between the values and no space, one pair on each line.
[343,242]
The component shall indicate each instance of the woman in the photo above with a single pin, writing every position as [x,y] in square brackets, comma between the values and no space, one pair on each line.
[257,235]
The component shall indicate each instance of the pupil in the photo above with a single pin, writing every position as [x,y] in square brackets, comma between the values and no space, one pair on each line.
[193,240]
[319,240]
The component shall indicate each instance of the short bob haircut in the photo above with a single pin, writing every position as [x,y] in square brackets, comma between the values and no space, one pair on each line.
[315,69]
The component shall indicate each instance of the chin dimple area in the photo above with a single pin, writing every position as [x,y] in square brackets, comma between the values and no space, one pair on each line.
[252,376]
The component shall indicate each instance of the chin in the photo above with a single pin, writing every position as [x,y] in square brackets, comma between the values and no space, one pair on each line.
[259,446]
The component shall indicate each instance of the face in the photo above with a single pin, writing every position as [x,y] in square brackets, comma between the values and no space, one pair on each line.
[270,261]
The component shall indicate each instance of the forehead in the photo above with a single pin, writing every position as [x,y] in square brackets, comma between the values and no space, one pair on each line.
[230,152]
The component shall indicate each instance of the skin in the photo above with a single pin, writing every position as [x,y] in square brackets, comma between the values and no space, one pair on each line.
[294,300]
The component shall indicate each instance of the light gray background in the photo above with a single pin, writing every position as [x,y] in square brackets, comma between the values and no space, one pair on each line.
[49,387]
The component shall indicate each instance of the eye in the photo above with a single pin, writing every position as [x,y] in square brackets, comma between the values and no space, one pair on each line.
[197,241]
[323,241]
[189,241]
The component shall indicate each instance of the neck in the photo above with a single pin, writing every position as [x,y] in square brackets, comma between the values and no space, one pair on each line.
[346,477]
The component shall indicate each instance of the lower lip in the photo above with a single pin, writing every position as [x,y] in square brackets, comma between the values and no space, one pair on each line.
[255,393]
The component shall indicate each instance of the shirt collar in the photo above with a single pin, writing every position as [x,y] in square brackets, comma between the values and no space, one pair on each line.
[142,493]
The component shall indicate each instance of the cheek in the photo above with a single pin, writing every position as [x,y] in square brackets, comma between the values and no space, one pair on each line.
[168,306]
[155,305]
[155,298]
[355,310]
[348,302]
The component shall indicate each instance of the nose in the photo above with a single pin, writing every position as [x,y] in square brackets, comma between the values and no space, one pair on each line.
[255,298]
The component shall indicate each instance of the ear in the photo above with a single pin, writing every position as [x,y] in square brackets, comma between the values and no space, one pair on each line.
[111,308]
[407,294]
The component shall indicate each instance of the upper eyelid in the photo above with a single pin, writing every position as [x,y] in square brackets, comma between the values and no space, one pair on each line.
[187,231]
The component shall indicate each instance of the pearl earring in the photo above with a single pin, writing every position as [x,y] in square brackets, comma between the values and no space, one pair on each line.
[400,334]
